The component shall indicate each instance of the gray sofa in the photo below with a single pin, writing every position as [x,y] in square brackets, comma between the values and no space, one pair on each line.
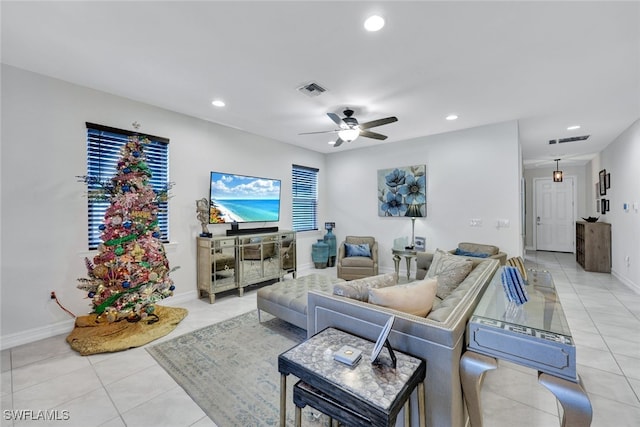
[438,338]
[423,259]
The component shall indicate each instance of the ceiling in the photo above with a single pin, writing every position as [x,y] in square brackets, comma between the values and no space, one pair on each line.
[548,65]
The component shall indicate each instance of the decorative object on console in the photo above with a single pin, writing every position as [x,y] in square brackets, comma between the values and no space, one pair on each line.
[202,209]
[591,218]
[514,285]
[320,254]
[383,340]
[420,244]
[402,191]
[330,239]
[557,174]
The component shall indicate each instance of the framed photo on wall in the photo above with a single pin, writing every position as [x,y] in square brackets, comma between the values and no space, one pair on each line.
[607,181]
[603,206]
[602,183]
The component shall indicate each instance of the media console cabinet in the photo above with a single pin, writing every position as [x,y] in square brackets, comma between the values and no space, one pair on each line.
[235,262]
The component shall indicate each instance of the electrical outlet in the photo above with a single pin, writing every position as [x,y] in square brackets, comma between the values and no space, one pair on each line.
[475,222]
[627,260]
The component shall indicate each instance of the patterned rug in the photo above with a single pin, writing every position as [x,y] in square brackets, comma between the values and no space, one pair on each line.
[230,369]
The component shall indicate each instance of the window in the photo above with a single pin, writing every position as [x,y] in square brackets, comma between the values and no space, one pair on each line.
[305,198]
[103,153]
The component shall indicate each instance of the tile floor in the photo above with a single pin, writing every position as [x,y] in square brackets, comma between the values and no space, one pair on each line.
[130,389]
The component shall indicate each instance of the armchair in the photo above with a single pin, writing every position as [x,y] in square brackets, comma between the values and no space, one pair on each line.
[357,267]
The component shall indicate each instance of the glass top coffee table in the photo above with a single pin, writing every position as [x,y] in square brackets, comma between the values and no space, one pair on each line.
[535,334]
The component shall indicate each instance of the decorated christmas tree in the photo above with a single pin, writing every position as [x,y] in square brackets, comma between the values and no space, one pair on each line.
[131,271]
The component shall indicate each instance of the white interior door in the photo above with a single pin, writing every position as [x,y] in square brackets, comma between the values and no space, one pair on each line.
[555,214]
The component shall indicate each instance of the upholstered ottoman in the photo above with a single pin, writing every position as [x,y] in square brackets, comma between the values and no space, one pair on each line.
[287,300]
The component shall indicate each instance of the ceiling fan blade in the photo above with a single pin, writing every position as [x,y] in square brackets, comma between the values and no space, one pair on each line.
[378,122]
[338,143]
[336,119]
[321,131]
[369,134]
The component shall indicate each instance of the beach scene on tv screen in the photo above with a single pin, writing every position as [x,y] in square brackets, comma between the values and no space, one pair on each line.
[239,198]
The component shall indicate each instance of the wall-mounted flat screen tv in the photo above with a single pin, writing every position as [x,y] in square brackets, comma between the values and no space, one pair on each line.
[241,198]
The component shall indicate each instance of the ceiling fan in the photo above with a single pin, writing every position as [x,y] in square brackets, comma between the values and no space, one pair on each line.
[350,129]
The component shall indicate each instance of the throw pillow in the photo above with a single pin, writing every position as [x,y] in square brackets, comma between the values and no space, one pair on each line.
[414,298]
[359,289]
[461,252]
[450,270]
[518,262]
[361,249]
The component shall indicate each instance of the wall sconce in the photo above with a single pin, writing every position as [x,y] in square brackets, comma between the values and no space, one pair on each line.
[557,174]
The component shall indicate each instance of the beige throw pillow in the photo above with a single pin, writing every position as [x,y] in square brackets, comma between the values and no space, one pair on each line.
[414,298]
[359,289]
[450,271]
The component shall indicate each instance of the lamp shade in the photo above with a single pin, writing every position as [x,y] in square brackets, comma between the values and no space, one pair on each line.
[414,211]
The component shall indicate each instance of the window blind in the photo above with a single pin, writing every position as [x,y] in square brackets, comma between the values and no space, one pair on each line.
[103,153]
[305,198]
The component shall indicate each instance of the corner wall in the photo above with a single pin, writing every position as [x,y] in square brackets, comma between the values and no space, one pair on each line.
[471,174]
[43,208]
[621,159]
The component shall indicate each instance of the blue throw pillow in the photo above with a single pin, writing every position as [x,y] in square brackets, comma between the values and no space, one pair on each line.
[473,254]
[357,250]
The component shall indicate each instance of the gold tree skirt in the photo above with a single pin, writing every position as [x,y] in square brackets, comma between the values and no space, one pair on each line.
[92,335]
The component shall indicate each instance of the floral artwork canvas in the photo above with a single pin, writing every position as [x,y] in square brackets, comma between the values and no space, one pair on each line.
[402,191]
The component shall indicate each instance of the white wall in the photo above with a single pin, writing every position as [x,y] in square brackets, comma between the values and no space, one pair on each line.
[621,159]
[471,174]
[44,208]
[585,202]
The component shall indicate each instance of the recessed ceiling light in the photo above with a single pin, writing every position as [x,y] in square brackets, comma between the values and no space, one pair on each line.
[574,127]
[331,143]
[451,117]
[218,103]
[374,23]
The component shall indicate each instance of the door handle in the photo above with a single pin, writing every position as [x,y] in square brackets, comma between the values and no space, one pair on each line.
[538,220]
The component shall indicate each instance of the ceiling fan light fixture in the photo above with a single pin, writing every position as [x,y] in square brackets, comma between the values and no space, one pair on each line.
[374,23]
[349,135]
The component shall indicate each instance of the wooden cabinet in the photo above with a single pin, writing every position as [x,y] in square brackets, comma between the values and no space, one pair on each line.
[593,246]
[235,262]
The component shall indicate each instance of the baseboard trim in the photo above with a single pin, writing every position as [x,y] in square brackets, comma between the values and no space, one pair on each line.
[626,281]
[36,334]
[66,326]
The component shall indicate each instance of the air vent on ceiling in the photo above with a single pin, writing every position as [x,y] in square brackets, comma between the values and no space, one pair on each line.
[571,139]
[312,89]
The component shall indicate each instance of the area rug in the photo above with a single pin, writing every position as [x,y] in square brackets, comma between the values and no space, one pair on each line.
[230,369]
[91,335]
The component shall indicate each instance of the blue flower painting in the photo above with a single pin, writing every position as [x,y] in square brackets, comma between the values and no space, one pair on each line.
[402,191]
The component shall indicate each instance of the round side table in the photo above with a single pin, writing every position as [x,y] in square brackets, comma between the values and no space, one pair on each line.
[408,254]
